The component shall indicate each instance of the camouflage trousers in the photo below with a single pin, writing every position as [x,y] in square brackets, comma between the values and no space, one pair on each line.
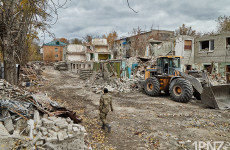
[103,117]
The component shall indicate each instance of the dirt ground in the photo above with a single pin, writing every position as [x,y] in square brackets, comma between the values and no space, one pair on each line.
[139,121]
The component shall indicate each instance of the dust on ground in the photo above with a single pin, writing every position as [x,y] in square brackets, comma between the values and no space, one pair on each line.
[139,121]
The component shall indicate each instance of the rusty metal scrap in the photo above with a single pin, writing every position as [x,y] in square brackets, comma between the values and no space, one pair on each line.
[66,113]
[53,108]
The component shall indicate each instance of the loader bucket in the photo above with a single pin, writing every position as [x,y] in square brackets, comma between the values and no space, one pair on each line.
[217,97]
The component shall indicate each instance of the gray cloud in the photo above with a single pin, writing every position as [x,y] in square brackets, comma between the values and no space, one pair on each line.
[97,17]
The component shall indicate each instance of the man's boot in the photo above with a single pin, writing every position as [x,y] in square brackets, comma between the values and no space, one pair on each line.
[103,126]
[108,127]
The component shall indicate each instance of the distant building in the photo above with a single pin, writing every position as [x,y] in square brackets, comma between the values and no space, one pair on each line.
[53,51]
[139,45]
[74,52]
[98,50]
[213,50]
[184,46]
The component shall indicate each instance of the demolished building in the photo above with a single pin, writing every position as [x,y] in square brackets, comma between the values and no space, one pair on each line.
[74,52]
[197,53]
[213,50]
[101,50]
[139,45]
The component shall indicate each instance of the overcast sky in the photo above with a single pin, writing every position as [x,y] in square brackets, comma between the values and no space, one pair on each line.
[97,17]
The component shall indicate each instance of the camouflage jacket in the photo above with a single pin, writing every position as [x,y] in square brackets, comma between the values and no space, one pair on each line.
[105,103]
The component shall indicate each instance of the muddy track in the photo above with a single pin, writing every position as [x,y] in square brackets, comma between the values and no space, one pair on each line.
[140,121]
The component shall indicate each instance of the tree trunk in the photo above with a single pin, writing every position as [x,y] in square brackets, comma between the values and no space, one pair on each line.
[9,65]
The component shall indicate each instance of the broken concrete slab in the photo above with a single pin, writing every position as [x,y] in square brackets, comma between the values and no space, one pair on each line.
[47,123]
[16,132]
[76,129]
[70,127]
[3,131]
[36,117]
[60,136]
[41,148]
[49,146]
[43,129]
[62,124]
[52,118]
[8,122]
[55,128]
[38,137]
[66,136]
[51,139]
[40,142]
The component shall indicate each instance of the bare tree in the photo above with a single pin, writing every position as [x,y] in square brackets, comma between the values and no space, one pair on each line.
[19,22]
[185,30]
[76,41]
[88,38]
[139,41]
[223,24]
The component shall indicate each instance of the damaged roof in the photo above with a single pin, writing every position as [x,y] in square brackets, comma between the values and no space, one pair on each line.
[55,43]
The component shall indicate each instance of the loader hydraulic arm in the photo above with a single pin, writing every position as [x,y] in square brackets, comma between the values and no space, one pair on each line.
[195,82]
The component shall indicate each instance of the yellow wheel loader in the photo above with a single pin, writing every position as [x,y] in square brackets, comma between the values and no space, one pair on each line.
[167,77]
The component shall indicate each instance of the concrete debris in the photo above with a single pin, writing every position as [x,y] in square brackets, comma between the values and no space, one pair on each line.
[48,125]
[9,91]
[85,74]
[101,80]
[217,79]
[21,103]
[30,74]
[3,131]
[61,66]
[214,79]
[8,121]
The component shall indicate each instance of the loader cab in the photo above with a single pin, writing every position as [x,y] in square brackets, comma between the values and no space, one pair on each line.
[168,64]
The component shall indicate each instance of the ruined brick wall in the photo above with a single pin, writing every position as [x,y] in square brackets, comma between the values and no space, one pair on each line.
[137,45]
[49,53]
[220,53]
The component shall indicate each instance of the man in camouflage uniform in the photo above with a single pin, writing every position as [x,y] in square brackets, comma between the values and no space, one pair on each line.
[104,108]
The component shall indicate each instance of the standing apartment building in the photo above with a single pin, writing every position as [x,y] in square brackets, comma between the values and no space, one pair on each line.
[53,51]
[74,52]
[213,49]
[98,50]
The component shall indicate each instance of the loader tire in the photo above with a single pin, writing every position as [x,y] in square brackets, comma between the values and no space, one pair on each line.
[181,90]
[152,86]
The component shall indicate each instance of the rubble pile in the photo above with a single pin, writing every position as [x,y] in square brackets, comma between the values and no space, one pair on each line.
[98,82]
[56,133]
[30,74]
[36,117]
[214,78]
[61,66]
[9,91]
[217,79]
